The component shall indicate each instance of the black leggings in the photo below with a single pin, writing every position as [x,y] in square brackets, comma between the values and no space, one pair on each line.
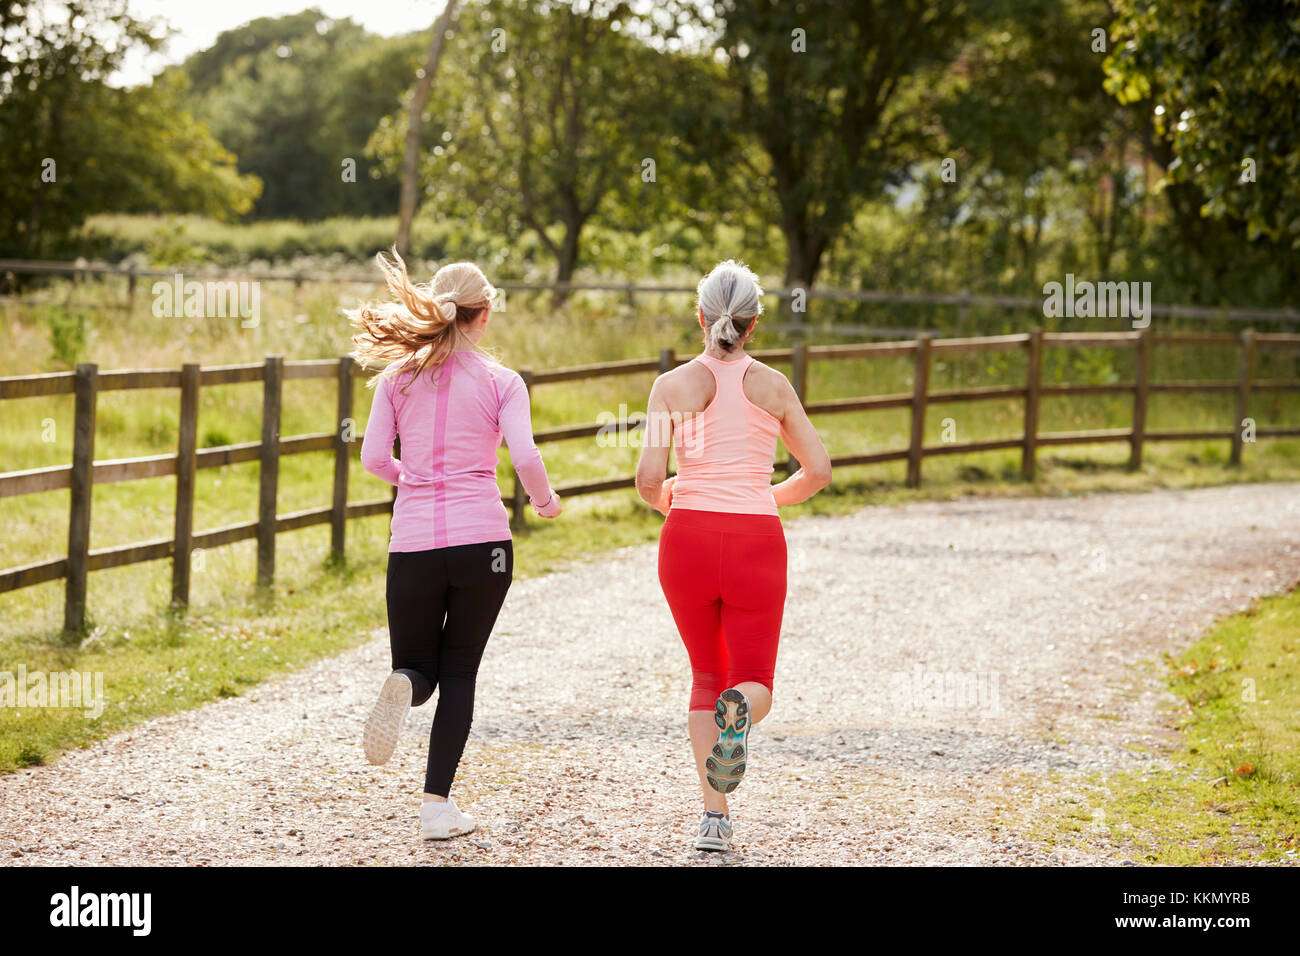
[442,605]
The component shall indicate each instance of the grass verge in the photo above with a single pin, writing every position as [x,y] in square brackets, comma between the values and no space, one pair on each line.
[1231,792]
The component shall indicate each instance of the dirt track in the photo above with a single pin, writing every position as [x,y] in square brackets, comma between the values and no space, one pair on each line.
[1046,608]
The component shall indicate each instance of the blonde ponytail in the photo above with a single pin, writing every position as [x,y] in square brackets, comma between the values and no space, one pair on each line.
[419,329]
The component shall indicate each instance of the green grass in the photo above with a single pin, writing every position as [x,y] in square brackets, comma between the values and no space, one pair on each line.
[1232,794]
[155,662]
[349,242]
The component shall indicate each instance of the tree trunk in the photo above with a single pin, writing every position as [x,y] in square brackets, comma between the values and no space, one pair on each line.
[566,261]
[804,250]
[414,124]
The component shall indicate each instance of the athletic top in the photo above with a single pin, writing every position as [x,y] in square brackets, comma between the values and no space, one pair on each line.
[451,427]
[725,453]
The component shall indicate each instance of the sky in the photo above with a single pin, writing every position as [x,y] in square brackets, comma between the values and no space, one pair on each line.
[198,22]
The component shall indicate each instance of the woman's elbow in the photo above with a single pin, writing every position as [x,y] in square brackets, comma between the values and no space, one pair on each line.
[821,473]
[523,458]
[648,488]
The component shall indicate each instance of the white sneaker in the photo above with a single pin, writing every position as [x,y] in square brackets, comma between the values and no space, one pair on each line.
[441,821]
[386,719]
[714,834]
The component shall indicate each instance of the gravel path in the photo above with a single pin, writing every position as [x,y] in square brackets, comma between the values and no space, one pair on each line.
[1039,619]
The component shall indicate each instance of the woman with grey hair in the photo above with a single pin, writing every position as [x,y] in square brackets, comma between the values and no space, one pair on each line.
[722,553]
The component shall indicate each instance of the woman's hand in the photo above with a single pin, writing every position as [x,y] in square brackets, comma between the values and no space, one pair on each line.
[665,502]
[552,508]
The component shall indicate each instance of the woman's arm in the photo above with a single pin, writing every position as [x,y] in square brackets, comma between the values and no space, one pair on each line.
[652,467]
[377,443]
[516,423]
[805,444]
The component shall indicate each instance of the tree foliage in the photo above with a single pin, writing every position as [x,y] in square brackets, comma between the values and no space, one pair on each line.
[1222,83]
[73,145]
[296,97]
[548,118]
[947,144]
[818,84]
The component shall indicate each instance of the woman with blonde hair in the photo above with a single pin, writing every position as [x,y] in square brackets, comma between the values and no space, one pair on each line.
[450,559]
[722,553]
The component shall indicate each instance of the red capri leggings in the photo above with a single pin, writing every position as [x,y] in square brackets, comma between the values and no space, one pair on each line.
[724,577]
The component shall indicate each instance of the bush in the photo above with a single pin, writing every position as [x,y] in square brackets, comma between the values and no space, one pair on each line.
[68,335]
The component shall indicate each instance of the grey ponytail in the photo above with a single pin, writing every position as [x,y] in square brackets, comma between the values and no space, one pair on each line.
[728,298]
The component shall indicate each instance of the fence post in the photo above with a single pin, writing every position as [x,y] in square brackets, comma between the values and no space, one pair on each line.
[1033,385]
[269,456]
[130,288]
[343,429]
[83,477]
[187,442]
[520,500]
[1142,373]
[1243,391]
[920,386]
[799,379]
[667,360]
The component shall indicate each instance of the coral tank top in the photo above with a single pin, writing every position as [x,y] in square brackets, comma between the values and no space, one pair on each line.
[725,453]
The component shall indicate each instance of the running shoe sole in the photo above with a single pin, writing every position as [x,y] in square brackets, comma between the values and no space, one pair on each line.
[431,833]
[725,767]
[386,719]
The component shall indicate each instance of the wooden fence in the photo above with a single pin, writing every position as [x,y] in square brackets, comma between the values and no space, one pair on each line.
[1284,318]
[87,382]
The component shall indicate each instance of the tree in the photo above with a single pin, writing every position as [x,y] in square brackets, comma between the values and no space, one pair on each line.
[73,146]
[555,118]
[414,122]
[296,98]
[816,84]
[1223,84]
[1023,112]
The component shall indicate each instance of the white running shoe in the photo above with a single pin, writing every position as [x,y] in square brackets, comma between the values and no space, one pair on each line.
[441,821]
[386,719]
[714,834]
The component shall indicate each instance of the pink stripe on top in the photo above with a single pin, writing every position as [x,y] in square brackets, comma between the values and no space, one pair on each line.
[725,453]
[451,426]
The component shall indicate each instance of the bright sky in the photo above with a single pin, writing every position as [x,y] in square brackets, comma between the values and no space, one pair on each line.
[198,22]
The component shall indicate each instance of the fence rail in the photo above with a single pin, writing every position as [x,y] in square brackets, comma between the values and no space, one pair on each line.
[1286,317]
[87,382]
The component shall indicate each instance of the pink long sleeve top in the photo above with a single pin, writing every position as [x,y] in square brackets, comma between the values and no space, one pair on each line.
[451,427]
